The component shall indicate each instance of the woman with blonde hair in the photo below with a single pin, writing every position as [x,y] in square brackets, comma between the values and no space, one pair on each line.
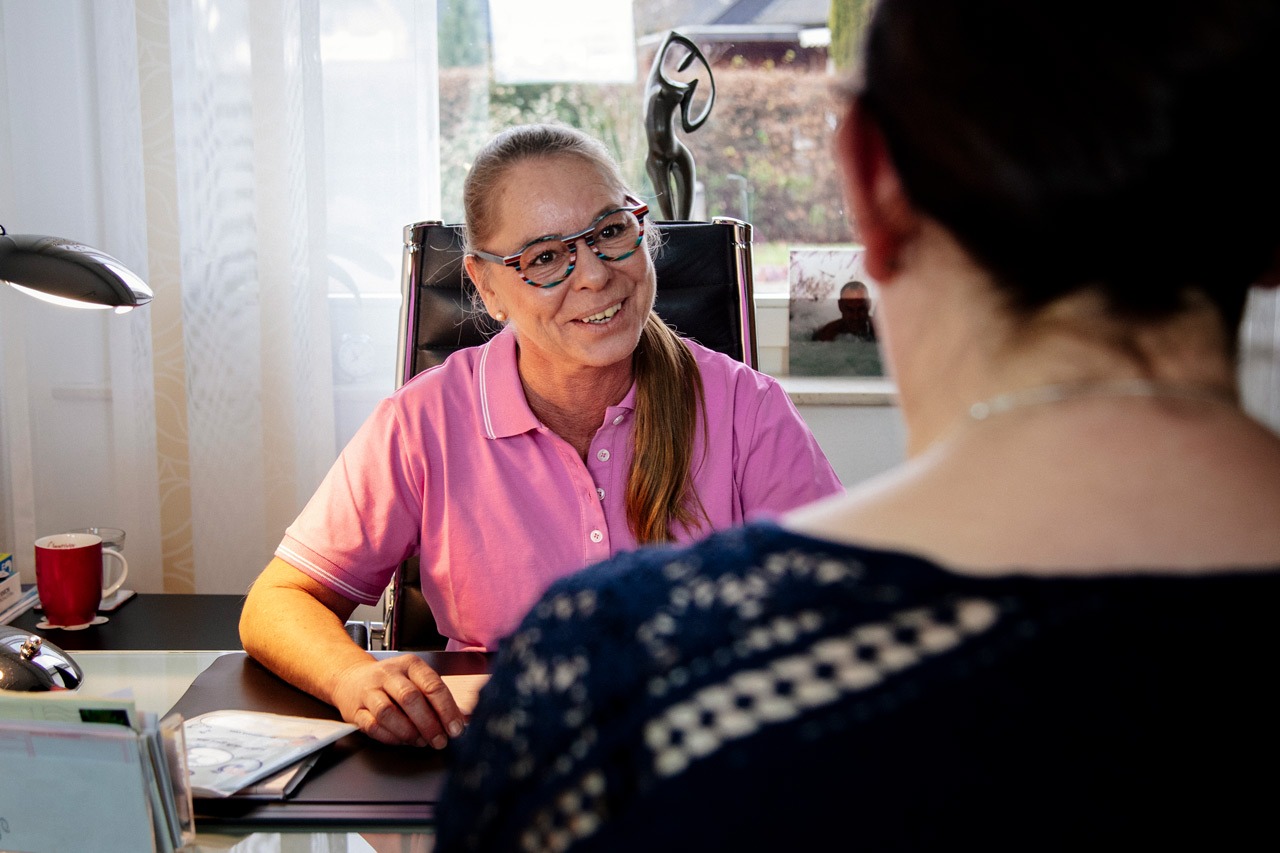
[586,427]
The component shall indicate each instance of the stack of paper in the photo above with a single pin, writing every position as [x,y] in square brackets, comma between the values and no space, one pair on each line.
[16,597]
[83,773]
[230,751]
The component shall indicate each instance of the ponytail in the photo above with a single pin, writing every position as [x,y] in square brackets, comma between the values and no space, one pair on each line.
[669,400]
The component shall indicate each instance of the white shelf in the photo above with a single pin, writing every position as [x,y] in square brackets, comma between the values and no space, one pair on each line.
[839,390]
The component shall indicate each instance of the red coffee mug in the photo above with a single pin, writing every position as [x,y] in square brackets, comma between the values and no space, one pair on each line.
[69,577]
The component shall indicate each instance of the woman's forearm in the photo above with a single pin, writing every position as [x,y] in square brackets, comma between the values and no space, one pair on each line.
[295,627]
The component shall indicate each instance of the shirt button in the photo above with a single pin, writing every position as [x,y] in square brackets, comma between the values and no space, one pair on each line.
[617,420]
[602,455]
[597,536]
[600,493]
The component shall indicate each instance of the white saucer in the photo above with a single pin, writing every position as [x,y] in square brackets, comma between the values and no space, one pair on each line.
[111,602]
[97,620]
[115,599]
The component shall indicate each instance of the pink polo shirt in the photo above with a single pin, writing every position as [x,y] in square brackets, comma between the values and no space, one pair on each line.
[455,465]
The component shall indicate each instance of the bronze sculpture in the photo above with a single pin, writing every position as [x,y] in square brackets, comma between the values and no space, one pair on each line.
[670,163]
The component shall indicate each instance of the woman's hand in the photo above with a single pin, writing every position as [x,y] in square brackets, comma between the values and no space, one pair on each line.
[398,700]
[293,625]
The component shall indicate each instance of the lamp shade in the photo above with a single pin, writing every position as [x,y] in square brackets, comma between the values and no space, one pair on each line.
[69,273]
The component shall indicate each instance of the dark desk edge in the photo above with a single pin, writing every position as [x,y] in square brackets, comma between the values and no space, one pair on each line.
[153,622]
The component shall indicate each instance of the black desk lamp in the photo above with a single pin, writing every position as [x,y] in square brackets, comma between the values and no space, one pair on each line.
[69,273]
[64,273]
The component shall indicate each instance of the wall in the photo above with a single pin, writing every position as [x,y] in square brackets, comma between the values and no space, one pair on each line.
[860,440]
[855,420]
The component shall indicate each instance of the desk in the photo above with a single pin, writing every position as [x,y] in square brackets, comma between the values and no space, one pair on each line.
[153,622]
[158,680]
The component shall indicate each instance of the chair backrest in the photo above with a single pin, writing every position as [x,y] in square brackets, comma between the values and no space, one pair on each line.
[704,277]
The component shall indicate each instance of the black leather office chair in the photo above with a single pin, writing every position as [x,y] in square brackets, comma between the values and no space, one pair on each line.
[704,293]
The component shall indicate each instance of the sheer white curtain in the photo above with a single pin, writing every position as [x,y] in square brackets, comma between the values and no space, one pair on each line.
[255,161]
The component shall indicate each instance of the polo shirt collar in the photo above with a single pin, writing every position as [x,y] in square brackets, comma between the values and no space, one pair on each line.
[504,410]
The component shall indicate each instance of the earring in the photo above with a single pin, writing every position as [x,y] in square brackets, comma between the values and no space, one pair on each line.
[500,316]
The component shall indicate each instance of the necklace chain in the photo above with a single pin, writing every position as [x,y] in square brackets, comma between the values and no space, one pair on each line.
[1117,388]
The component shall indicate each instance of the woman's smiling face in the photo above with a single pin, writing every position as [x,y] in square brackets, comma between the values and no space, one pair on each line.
[592,319]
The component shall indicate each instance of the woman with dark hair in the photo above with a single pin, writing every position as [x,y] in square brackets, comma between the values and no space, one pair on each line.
[1051,627]
[584,428]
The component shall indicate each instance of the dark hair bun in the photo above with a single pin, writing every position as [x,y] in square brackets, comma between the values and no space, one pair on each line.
[1121,145]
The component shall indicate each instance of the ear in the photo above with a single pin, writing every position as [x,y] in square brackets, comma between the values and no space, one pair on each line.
[480,277]
[883,216]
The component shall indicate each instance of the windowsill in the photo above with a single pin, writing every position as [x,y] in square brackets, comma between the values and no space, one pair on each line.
[772,313]
[839,390]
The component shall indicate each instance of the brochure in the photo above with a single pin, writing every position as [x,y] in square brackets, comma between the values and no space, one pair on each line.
[231,750]
[281,785]
[68,706]
[123,770]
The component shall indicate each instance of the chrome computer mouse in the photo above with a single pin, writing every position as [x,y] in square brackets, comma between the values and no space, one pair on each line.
[28,662]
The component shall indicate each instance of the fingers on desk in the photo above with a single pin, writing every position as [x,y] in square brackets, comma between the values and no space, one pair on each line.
[413,706]
[431,688]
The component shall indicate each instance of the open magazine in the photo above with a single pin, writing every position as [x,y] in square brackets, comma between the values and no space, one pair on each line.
[230,750]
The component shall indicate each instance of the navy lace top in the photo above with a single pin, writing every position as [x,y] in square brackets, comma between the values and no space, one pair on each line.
[767,690]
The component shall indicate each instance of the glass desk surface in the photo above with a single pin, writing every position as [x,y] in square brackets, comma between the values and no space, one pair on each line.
[157,681]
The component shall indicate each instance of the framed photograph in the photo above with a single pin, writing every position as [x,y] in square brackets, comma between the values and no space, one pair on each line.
[832,302]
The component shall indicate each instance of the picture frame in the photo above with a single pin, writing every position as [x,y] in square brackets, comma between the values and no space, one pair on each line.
[831,307]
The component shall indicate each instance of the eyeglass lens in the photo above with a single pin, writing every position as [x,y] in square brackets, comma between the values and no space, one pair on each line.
[615,236]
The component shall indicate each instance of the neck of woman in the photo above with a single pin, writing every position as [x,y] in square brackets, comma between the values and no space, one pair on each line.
[573,404]
[1067,442]
[1073,352]
[1105,472]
